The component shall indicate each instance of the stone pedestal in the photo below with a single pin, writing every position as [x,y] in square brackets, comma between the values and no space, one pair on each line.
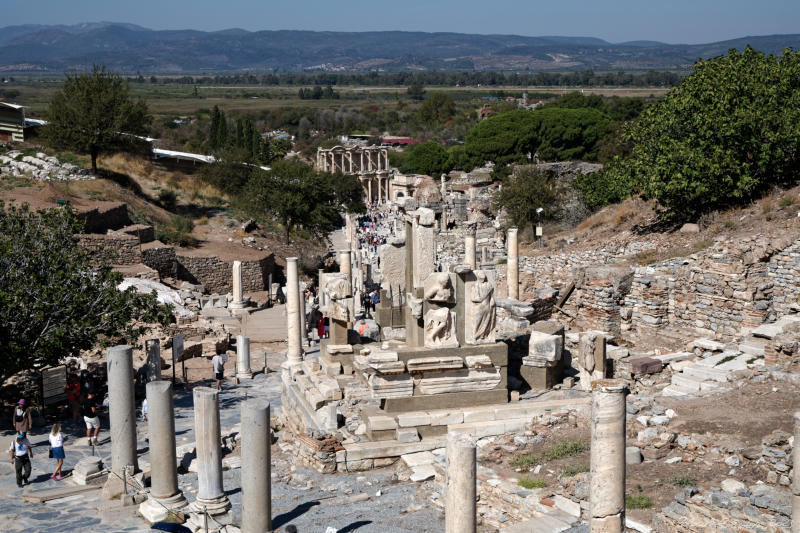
[256,466]
[238,297]
[243,358]
[460,510]
[210,494]
[294,355]
[513,264]
[164,490]
[607,486]
[153,349]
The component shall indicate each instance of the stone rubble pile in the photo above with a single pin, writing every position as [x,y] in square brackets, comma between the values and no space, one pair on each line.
[41,167]
[733,507]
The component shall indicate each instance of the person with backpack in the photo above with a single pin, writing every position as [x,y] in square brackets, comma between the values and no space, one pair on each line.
[23,421]
[21,455]
[218,365]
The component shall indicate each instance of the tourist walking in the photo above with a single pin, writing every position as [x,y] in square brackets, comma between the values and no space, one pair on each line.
[91,417]
[21,455]
[57,449]
[218,364]
[23,421]
[73,390]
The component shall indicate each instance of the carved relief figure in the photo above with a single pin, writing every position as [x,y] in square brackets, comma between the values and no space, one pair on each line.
[438,287]
[338,289]
[483,313]
[438,326]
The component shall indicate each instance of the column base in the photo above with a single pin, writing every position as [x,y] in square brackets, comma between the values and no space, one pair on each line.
[153,510]
[214,506]
[196,522]
[244,375]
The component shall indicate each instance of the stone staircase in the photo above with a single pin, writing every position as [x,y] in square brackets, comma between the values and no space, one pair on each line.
[713,373]
[707,375]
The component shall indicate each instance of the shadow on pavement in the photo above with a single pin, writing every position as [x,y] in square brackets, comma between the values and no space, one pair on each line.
[285,518]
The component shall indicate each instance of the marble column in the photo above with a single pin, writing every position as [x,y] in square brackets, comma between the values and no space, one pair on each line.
[460,510]
[512,266]
[238,298]
[470,257]
[484,254]
[607,457]
[256,467]
[345,267]
[294,355]
[153,349]
[164,491]
[796,475]
[121,408]
[303,326]
[243,370]
[210,494]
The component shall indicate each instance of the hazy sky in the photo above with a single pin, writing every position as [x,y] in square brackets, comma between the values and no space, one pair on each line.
[672,21]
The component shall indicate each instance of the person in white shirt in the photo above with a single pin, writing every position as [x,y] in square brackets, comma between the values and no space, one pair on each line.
[21,453]
[57,447]
[218,364]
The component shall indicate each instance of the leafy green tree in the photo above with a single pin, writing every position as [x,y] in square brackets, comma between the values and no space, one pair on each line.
[553,133]
[95,113]
[428,158]
[436,109]
[218,131]
[416,91]
[57,298]
[294,194]
[525,191]
[728,132]
[348,193]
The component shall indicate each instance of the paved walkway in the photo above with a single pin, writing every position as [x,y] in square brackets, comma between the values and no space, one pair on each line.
[302,497]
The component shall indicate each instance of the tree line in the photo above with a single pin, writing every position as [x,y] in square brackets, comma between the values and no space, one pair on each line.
[588,78]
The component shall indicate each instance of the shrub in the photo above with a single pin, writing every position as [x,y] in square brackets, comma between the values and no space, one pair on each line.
[168,199]
[683,480]
[726,134]
[638,501]
[531,483]
[574,470]
[557,451]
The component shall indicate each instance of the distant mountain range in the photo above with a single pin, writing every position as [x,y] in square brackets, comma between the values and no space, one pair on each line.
[130,48]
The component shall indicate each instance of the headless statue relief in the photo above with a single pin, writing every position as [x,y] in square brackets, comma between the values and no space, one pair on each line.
[482,296]
[438,288]
[338,289]
[437,327]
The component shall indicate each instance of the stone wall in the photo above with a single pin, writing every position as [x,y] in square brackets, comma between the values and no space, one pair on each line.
[216,275]
[125,248]
[103,218]
[162,258]
[784,271]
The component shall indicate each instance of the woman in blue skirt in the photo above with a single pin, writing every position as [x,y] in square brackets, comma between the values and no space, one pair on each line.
[57,447]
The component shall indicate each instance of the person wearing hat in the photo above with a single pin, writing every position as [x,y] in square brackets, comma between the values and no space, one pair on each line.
[23,422]
[21,454]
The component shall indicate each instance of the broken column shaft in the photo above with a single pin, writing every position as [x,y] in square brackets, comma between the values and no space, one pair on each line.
[256,476]
[460,509]
[607,486]
[294,354]
[210,494]
[121,409]
[512,266]
[469,249]
[243,358]
[165,495]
